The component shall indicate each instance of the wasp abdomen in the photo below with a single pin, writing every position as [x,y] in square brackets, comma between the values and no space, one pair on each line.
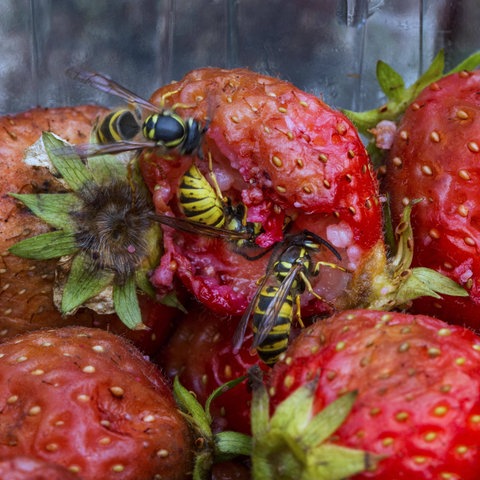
[117,126]
[276,341]
[198,199]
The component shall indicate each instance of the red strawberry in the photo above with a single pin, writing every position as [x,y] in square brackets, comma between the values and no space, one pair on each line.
[88,400]
[31,468]
[200,353]
[435,157]
[286,156]
[418,391]
[26,286]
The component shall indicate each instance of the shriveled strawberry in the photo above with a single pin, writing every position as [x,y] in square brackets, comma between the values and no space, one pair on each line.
[88,400]
[434,157]
[293,161]
[200,353]
[31,468]
[416,380]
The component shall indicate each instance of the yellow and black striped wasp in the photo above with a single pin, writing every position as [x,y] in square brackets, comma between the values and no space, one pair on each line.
[127,129]
[272,307]
[208,212]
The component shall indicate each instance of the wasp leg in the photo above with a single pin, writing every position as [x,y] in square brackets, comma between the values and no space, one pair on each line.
[298,310]
[213,179]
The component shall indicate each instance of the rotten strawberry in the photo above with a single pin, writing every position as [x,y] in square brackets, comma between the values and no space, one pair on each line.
[274,162]
[279,160]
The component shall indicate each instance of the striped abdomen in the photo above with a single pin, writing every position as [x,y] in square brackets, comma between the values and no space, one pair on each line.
[276,341]
[198,199]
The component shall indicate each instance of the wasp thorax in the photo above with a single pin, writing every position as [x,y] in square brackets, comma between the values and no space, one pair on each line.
[112,227]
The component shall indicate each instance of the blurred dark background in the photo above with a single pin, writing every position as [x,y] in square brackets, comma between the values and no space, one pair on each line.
[327,47]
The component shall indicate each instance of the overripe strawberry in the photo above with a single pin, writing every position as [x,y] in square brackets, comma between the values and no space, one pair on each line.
[417,383]
[291,160]
[200,353]
[88,400]
[31,468]
[434,157]
[27,286]
[294,164]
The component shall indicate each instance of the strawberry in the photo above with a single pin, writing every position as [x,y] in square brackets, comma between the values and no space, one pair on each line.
[209,362]
[416,391]
[86,399]
[291,160]
[434,157]
[31,468]
[259,132]
[26,286]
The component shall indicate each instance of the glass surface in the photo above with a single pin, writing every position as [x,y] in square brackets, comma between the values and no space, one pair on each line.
[327,47]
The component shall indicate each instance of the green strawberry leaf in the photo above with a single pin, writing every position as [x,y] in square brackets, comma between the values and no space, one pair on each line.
[433,73]
[46,246]
[293,415]
[192,408]
[390,81]
[171,300]
[333,462]
[294,444]
[328,421]
[83,283]
[219,391]
[70,166]
[52,208]
[105,167]
[126,304]
[470,63]
[230,444]
[424,281]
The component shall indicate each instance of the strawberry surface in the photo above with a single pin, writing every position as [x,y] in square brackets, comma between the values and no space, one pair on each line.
[417,382]
[434,157]
[31,468]
[293,161]
[88,400]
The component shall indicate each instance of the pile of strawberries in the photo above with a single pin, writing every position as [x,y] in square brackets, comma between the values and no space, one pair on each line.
[382,378]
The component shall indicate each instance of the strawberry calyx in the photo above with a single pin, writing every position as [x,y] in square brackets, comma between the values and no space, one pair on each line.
[102,234]
[294,443]
[211,447]
[392,282]
[373,123]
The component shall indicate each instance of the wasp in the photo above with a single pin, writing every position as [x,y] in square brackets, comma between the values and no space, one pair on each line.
[272,307]
[126,129]
[208,212]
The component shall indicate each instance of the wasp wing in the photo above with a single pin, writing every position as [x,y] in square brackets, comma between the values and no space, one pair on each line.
[273,309]
[239,334]
[107,85]
[190,226]
[85,150]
